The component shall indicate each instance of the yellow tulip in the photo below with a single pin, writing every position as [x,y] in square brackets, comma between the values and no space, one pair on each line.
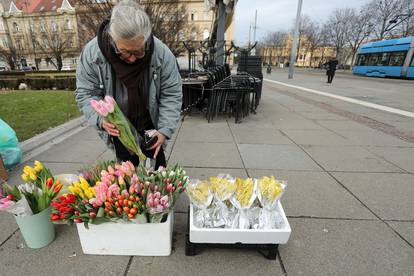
[33,176]
[28,170]
[38,166]
[84,184]
[25,177]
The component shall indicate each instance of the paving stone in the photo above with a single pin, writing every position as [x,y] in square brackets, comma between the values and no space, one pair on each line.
[63,256]
[343,125]
[316,137]
[349,158]
[405,229]
[73,151]
[211,261]
[282,157]
[303,124]
[260,136]
[343,247]
[309,194]
[221,155]
[389,195]
[373,138]
[8,226]
[205,132]
[402,157]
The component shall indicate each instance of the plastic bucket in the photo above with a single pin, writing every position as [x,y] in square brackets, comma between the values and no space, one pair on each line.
[37,230]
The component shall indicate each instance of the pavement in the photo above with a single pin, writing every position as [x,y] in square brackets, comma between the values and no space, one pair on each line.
[349,200]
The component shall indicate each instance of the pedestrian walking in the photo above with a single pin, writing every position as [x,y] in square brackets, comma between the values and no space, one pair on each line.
[331,64]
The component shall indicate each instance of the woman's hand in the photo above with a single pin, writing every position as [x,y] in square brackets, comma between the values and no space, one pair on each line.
[110,128]
[160,141]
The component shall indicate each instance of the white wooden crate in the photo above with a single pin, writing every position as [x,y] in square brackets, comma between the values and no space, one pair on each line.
[245,236]
[110,238]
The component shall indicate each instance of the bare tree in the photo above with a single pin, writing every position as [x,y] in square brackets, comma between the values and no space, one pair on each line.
[54,43]
[407,18]
[168,18]
[359,31]
[90,14]
[9,54]
[385,16]
[277,41]
[338,29]
[314,37]
[305,26]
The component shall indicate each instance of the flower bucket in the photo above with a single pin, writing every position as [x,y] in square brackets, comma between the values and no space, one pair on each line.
[127,239]
[37,230]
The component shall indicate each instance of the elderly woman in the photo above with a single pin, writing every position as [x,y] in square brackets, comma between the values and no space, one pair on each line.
[128,63]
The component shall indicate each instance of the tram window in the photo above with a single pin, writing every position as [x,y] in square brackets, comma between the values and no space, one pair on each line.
[397,58]
[384,59]
[373,59]
[362,60]
[412,62]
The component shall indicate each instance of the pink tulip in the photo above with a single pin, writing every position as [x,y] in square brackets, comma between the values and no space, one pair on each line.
[150,203]
[95,104]
[102,110]
[113,191]
[108,106]
[164,200]
[110,100]
[111,170]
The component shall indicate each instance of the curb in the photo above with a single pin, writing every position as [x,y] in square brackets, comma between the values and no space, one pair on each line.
[52,136]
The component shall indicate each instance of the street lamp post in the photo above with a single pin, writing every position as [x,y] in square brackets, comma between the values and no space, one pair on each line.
[295,41]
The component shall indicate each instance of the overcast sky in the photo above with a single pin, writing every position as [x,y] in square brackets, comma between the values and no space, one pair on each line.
[280,14]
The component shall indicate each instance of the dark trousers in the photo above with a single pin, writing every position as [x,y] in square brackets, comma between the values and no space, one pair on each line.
[330,76]
[122,154]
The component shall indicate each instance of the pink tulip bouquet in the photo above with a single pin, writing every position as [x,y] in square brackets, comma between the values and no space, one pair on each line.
[108,109]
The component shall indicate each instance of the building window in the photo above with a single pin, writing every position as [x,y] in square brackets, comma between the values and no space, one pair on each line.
[5,43]
[42,27]
[206,34]
[31,27]
[193,16]
[54,26]
[181,35]
[68,24]
[16,27]
[193,35]
[74,61]
[19,44]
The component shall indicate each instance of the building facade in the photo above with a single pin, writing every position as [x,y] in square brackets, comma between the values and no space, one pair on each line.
[307,56]
[43,34]
[48,34]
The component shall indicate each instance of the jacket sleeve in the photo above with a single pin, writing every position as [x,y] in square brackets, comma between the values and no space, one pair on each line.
[170,99]
[87,88]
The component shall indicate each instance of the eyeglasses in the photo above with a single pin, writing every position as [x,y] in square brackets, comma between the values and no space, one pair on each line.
[127,54]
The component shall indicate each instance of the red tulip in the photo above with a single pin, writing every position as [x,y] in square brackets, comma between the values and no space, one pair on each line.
[55,217]
[49,183]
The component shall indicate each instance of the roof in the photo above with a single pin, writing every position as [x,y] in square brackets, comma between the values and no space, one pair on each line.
[5,4]
[31,6]
[389,42]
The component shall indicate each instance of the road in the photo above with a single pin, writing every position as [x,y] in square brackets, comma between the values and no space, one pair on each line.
[395,93]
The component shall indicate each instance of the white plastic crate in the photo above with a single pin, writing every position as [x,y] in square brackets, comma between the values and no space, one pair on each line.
[245,236]
[110,238]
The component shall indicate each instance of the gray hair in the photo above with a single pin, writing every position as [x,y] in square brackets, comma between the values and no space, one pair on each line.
[128,21]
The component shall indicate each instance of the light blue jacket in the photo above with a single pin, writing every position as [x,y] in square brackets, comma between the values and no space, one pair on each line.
[94,80]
